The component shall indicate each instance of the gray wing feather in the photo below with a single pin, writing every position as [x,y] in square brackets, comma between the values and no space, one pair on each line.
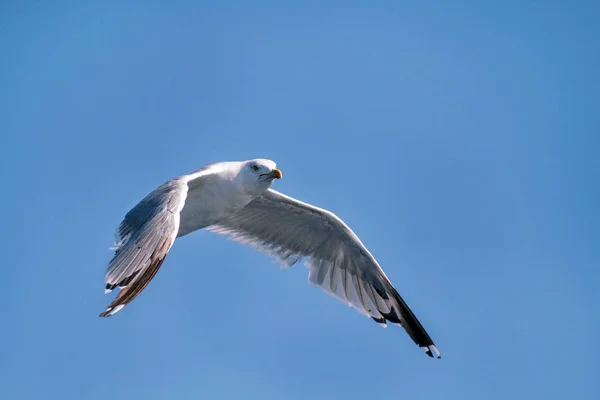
[144,238]
[338,262]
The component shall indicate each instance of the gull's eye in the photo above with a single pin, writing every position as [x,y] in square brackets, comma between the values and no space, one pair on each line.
[254,167]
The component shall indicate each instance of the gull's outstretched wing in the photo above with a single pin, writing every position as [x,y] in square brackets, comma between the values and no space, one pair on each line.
[143,241]
[339,263]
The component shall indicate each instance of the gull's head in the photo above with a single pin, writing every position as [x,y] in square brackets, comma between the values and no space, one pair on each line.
[258,174]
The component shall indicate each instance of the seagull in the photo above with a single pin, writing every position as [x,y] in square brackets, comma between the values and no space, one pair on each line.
[235,199]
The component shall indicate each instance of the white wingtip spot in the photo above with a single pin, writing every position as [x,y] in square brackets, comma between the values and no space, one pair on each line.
[107,291]
[116,310]
[428,350]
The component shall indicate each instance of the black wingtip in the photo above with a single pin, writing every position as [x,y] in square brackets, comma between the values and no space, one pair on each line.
[106,313]
[380,321]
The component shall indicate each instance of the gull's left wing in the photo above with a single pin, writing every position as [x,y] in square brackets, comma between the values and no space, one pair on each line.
[144,238]
[339,263]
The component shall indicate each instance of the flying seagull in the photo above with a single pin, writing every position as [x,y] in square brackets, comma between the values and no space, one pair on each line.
[235,199]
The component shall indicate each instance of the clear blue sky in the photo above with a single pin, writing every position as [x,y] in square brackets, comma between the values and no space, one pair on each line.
[458,139]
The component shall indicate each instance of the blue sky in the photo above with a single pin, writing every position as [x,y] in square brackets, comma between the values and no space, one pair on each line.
[459,140]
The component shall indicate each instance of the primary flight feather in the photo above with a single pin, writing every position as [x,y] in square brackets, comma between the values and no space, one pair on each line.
[235,199]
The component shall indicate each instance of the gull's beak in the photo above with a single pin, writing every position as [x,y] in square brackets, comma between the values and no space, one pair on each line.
[276,174]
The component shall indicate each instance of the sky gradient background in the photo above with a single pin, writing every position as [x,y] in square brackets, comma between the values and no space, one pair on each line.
[459,140]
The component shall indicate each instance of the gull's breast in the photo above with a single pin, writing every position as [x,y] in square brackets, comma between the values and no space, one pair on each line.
[208,205]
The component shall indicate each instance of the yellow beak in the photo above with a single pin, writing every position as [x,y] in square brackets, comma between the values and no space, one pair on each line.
[277,173]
